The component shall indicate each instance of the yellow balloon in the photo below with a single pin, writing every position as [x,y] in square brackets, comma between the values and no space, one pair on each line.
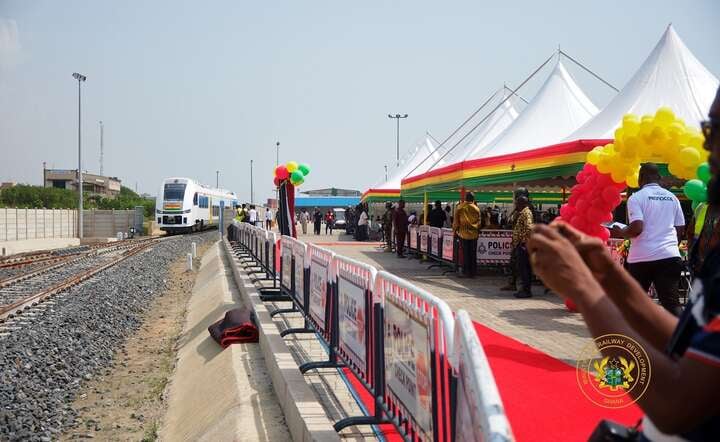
[664,116]
[689,157]
[618,175]
[675,168]
[619,134]
[632,180]
[292,166]
[593,157]
[604,164]
[695,140]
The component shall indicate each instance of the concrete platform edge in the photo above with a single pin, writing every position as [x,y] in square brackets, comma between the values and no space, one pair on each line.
[305,417]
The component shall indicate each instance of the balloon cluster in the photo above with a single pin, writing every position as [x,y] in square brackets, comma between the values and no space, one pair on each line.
[661,137]
[696,189]
[592,201]
[292,171]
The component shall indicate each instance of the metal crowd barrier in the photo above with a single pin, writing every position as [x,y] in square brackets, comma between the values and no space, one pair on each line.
[425,369]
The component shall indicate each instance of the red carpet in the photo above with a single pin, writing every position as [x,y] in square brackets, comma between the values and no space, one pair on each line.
[542,399]
[541,396]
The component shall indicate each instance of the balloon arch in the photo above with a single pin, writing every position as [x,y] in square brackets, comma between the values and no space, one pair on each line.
[661,138]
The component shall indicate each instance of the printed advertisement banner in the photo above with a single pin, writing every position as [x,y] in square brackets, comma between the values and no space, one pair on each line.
[352,318]
[423,238]
[318,292]
[413,238]
[494,247]
[299,255]
[407,365]
[435,241]
[447,245]
[286,280]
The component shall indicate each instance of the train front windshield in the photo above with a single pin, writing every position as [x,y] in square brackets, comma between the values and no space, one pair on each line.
[174,192]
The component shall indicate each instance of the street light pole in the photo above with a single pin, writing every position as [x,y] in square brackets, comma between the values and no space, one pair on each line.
[217,179]
[101,148]
[386,172]
[80,78]
[277,163]
[397,118]
[252,196]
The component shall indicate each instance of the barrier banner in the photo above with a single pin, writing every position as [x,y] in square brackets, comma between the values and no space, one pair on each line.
[320,260]
[273,261]
[299,257]
[412,232]
[494,247]
[354,281]
[435,233]
[423,238]
[262,238]
[407,365]
[480,414]
[286,252]
[447,245]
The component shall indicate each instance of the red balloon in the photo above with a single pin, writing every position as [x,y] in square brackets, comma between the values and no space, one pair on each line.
[607,217]
[582,205]
[595,215]
[567,211]
[276,180]
[281,172]
[603,234]
[609,194]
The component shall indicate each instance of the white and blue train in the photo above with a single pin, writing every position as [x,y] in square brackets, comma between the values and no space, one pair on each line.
[184,205]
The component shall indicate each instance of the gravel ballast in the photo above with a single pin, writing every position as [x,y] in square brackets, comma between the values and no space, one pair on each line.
[44,362]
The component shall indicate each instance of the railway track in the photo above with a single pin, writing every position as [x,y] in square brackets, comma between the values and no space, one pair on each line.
[43,281]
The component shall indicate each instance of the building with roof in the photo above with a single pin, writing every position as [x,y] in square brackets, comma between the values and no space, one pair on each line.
[325,202]
[332,191]
[108,187]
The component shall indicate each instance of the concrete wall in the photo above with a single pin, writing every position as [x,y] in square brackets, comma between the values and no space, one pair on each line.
[106,223]
[27,224]
[23,224]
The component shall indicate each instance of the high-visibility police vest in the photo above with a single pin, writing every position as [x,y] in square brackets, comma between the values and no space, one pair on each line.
[699,215]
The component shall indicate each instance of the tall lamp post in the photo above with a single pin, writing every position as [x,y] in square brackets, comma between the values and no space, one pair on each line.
[217,179]
[80,79]
[277,163]
[386,172]
[397,118]
[252,195]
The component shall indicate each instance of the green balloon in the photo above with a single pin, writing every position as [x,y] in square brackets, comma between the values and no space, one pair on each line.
[297,177]
[703,172]
[695,205]
[695,190]
[305,169]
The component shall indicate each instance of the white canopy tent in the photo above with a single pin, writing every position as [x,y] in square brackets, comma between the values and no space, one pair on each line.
[558,108]
[424,149]
[483,135]
[670,76]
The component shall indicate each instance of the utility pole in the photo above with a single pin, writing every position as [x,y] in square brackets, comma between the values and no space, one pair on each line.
[101,148]
[386,172]
[80,79]
[252,196]
[397,118]
[217,179]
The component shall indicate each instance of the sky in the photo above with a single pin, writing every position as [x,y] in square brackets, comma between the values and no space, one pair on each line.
[188,88]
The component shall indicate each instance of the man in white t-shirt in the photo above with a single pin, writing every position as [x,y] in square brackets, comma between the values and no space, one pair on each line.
[656,222]
[268,219]
[252,215]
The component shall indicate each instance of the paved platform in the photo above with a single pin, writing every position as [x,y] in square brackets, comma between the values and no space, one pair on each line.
[32,245]
[542,322]
[216,394]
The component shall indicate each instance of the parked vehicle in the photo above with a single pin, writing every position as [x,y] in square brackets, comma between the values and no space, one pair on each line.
[340,221]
